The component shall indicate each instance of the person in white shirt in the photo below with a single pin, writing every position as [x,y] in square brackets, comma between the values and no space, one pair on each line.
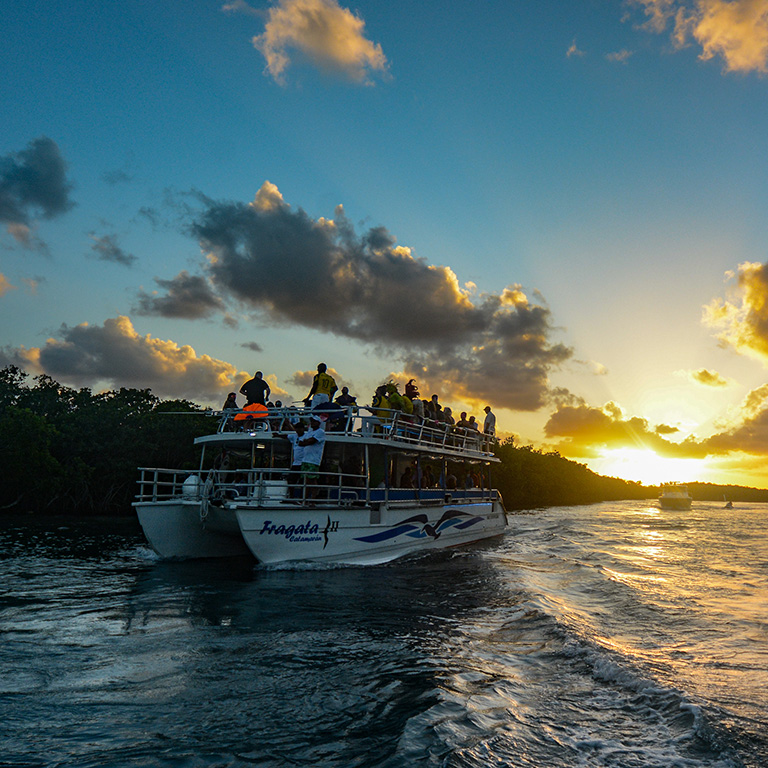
[297,456]
[313,443]
[489,425]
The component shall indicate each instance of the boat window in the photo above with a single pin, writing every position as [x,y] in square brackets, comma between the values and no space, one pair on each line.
[377,466]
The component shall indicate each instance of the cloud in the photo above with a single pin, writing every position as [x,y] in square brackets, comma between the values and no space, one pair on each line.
[321,274]
[86,355]
[708,378]
[734,30]
[188,296]
[107,249]
[118,176]
[33,283]
[750,433]
[741,319]
[573,50]
[321,31]
[33,182]
[240,6]
[276,392]
[587,431]
[5,285]
[252,345]
[659,12]
[621,56]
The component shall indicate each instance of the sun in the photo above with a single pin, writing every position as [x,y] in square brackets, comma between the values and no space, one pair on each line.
[647,467]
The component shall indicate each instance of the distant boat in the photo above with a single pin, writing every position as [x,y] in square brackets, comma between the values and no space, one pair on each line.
[674,496]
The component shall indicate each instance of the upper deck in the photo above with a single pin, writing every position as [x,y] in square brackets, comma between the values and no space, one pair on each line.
[362,425]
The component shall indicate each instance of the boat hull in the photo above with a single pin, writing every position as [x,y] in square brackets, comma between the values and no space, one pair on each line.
[364,536]
[675,502]
[175,530]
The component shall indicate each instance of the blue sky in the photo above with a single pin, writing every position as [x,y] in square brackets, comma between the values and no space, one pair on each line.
[540,202]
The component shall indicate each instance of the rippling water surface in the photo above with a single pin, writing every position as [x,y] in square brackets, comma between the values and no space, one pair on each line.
[614,634]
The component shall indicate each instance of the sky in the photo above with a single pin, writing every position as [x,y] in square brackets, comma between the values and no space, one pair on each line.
[554,208]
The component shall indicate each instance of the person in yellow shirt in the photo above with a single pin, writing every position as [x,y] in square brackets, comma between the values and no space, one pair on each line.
[323,387]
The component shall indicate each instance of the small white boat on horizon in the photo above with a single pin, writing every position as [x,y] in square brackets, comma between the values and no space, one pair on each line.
[674,496]
[363,509]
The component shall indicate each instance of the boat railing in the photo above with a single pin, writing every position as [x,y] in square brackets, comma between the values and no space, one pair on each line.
[272,486]
[363,421]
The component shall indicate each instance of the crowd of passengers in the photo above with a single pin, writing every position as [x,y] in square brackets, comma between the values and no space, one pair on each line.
[386,400]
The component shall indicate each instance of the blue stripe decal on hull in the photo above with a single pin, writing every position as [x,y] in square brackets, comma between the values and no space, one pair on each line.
[424,529]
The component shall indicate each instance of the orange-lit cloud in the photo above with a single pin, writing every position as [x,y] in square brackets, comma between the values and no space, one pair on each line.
[586,431]
[708,378]
[115,354]
[734,30]
[741,319]
[750,433]
[589,432]
[321,31]
[621,56]
[5,285]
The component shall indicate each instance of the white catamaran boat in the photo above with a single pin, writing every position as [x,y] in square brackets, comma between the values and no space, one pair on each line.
[674,496]
[389,485]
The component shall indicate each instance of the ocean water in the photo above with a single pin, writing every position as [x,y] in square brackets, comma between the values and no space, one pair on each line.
[613,634]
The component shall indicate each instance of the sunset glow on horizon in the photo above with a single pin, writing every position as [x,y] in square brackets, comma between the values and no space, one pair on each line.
[648,468]
[563,216]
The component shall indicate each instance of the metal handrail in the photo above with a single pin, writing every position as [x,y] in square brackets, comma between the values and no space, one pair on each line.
[356,421]
[270,485]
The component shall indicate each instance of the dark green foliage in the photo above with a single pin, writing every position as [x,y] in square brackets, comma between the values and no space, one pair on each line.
[66,450]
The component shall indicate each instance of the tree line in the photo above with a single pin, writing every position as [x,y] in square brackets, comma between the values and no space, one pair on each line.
[74,452]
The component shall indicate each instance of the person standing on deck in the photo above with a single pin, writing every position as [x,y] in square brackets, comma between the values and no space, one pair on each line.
[297,458]
[256,390]
[313,443]
[489,425]
[323,387]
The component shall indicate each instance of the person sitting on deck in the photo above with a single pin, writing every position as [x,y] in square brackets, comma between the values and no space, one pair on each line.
[230,405]
[462,423]
[345,399]
[380,406]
